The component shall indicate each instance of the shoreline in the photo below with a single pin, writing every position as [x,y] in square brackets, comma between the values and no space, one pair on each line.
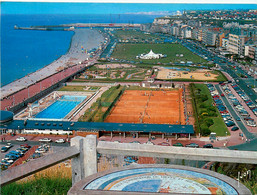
[72,57]
[43,66]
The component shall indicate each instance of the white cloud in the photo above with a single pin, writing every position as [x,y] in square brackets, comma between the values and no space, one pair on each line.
[153,13]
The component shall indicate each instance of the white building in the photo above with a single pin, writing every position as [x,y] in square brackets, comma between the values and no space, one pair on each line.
[150,55]
[186,32]
[250,51]
[225,43]
[209,37]
[236,44]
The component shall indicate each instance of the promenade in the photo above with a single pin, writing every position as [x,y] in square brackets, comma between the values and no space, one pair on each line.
[74,60]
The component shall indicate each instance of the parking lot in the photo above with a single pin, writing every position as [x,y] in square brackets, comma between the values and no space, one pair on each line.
[36,150]
[235,116]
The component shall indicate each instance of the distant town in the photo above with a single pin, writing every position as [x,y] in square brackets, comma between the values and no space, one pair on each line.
[230,33]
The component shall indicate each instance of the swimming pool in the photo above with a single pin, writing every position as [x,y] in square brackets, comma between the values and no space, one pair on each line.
[60,108]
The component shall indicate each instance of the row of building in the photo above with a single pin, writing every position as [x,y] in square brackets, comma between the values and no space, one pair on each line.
[232,38]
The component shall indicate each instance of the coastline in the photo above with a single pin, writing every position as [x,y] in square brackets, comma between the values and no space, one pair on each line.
[86,38]
[43,66]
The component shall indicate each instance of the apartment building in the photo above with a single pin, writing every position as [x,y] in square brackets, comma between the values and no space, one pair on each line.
[236,44]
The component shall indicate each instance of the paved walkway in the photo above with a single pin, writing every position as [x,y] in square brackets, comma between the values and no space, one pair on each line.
[89,104]
[234,139]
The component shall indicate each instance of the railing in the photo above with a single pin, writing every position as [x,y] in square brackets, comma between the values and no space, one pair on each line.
[83,151]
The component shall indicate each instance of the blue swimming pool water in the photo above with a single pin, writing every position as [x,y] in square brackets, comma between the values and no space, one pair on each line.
[61,107]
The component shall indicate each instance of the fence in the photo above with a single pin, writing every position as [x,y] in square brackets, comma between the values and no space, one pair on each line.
[112,104]
[83,151]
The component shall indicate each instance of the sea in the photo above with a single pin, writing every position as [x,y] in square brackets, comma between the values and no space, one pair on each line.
[25,51]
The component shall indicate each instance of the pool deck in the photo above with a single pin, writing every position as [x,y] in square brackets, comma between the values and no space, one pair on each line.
[102,90]
[48,101]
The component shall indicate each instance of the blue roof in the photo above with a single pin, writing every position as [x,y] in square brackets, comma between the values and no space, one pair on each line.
[93,126]
[5,116]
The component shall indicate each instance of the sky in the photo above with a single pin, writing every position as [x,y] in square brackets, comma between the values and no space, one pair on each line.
[108,8]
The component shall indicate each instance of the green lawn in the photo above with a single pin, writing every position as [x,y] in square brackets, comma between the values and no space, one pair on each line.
[78,88]
[42,185]
[130,51]
[203,107]
[219,126]
[96,112]
[132,34]
[137,74]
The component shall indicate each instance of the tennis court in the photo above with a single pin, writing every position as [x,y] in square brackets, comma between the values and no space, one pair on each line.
[159,107]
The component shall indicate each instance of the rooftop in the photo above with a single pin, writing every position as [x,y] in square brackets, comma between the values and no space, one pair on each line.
[93,126]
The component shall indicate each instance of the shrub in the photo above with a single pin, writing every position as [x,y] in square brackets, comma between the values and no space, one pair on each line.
[209,122]
[203,98]
[202,105]
[212,113]
[205,131]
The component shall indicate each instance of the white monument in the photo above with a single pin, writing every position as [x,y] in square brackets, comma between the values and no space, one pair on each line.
[150,55]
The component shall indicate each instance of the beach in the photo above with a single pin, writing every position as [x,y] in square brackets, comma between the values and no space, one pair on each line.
[83,40]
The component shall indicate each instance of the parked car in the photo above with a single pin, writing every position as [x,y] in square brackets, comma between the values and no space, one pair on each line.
[59,141]
[36,155]
[5,162]
[192,145]
[235,128]
[178,144]
[229,123]
[11,156]
[23,150]
[21,139]
[40,150]
[164,144]
[4,149]
[135,142]
[16,153]
[3,166]
[9,145]
[45,140]
[25,146]
[149,143]
[208,146]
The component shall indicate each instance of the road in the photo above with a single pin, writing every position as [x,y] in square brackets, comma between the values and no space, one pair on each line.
[248,146]
[225,65]
[240,124]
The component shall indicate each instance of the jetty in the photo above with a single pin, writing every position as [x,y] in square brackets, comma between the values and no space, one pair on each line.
[71,27]
[44,28]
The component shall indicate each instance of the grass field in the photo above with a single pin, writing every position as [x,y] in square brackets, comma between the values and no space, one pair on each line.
[130,51]
[54,180]
[132,34]
[78,88]
[205,111]
[96,112]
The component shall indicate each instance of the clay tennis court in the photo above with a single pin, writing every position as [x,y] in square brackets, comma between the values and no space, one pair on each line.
[158,107]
